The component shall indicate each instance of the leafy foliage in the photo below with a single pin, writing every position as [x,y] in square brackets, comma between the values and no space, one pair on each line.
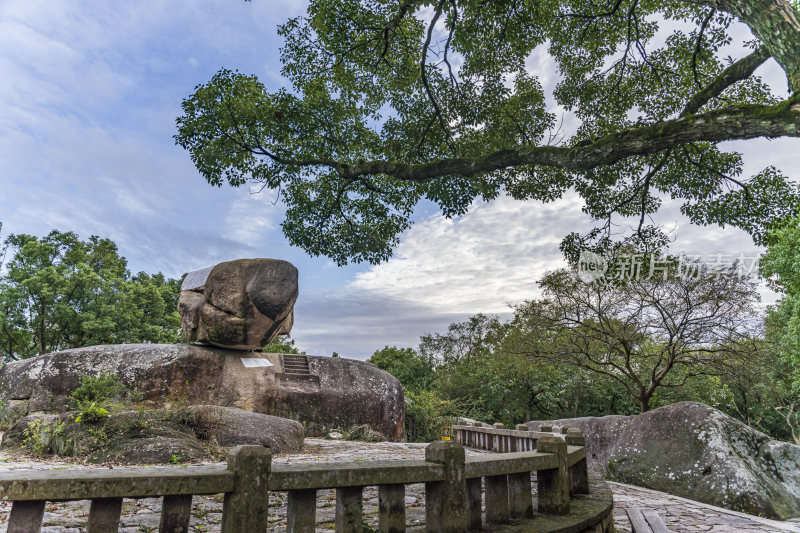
[283,344]
[395,102]
[92,414]
[60,292]
[519,370]
[780,265]
[648,332]
[426,414]
[40,435]
[99,390]
[414,371]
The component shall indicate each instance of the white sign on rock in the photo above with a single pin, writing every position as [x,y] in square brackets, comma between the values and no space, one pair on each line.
[255,362]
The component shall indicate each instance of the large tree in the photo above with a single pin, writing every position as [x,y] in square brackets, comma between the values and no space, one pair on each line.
[780,265]
[649,333]
[59,292]
[396,101]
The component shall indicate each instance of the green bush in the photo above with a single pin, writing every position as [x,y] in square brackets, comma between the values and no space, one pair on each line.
[40,434]
[101,390]
[92,413]
[426,414]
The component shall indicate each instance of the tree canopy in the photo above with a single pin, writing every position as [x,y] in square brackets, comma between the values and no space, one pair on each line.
[648,333]
[394,102]
[59,292]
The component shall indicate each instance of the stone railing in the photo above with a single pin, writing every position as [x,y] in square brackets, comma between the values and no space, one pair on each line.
[452,488]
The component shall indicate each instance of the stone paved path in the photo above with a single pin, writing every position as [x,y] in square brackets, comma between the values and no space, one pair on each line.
[142,516]
[682,515]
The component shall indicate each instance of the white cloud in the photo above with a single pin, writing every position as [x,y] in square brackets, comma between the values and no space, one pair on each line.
[480,262]
[249,218]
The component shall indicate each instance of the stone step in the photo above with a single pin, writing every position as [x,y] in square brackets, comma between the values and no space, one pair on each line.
[296,366]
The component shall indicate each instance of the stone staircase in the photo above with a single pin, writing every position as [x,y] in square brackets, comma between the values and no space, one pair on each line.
[295,365]
[296,370]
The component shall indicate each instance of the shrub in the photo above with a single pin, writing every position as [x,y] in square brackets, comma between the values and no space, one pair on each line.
[100,390]
[40,433]
[91,413]
[426,414]
[363,433]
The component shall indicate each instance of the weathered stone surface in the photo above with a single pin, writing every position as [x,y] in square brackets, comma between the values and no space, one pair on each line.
[180,448]
[154,435]
[338,393]
[241,304]
[12,412]
[232,427]
[692,450]
[601,432]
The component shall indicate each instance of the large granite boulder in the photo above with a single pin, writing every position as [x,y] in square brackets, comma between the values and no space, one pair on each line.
[230,427]
[692,450]
[152,436]
[241,304]
[601,432]
[322,392]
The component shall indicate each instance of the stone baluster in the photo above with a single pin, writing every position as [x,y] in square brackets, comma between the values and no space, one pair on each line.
[579,472]
[445,501]
[104,515]
[349,509]
[176,511]
[497,511]
[519,495]
[474,511]
[553,484]
[245,509]
[26,517]
[392,508]
[301,511]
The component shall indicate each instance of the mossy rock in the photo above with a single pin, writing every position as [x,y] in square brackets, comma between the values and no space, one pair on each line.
[13,411]
[152,436]
[692,450]
[177,448]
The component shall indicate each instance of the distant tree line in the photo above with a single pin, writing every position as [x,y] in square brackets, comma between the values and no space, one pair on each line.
[593,348]
[59,292]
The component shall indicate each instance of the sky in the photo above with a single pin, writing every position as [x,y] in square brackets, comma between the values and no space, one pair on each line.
[89,93]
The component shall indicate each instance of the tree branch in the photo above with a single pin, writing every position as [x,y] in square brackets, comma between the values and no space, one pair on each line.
[423,64]
[741,122]
[738,71]
[775,23]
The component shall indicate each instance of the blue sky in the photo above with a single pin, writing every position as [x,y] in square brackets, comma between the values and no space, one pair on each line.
[89,92]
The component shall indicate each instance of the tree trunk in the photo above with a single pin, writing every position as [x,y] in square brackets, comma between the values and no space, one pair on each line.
[775,23]
[644,404]
[41,327]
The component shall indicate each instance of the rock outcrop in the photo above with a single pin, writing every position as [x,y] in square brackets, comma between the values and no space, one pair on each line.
[153,436]
[692,450]
[324,393]
[240,305]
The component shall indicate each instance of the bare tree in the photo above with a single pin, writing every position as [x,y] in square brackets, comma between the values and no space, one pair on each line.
[648,333]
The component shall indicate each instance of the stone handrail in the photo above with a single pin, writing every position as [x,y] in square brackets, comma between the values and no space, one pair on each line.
[452,488]
[499,439]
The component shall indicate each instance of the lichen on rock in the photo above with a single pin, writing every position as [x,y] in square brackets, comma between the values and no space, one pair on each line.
[692,450]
